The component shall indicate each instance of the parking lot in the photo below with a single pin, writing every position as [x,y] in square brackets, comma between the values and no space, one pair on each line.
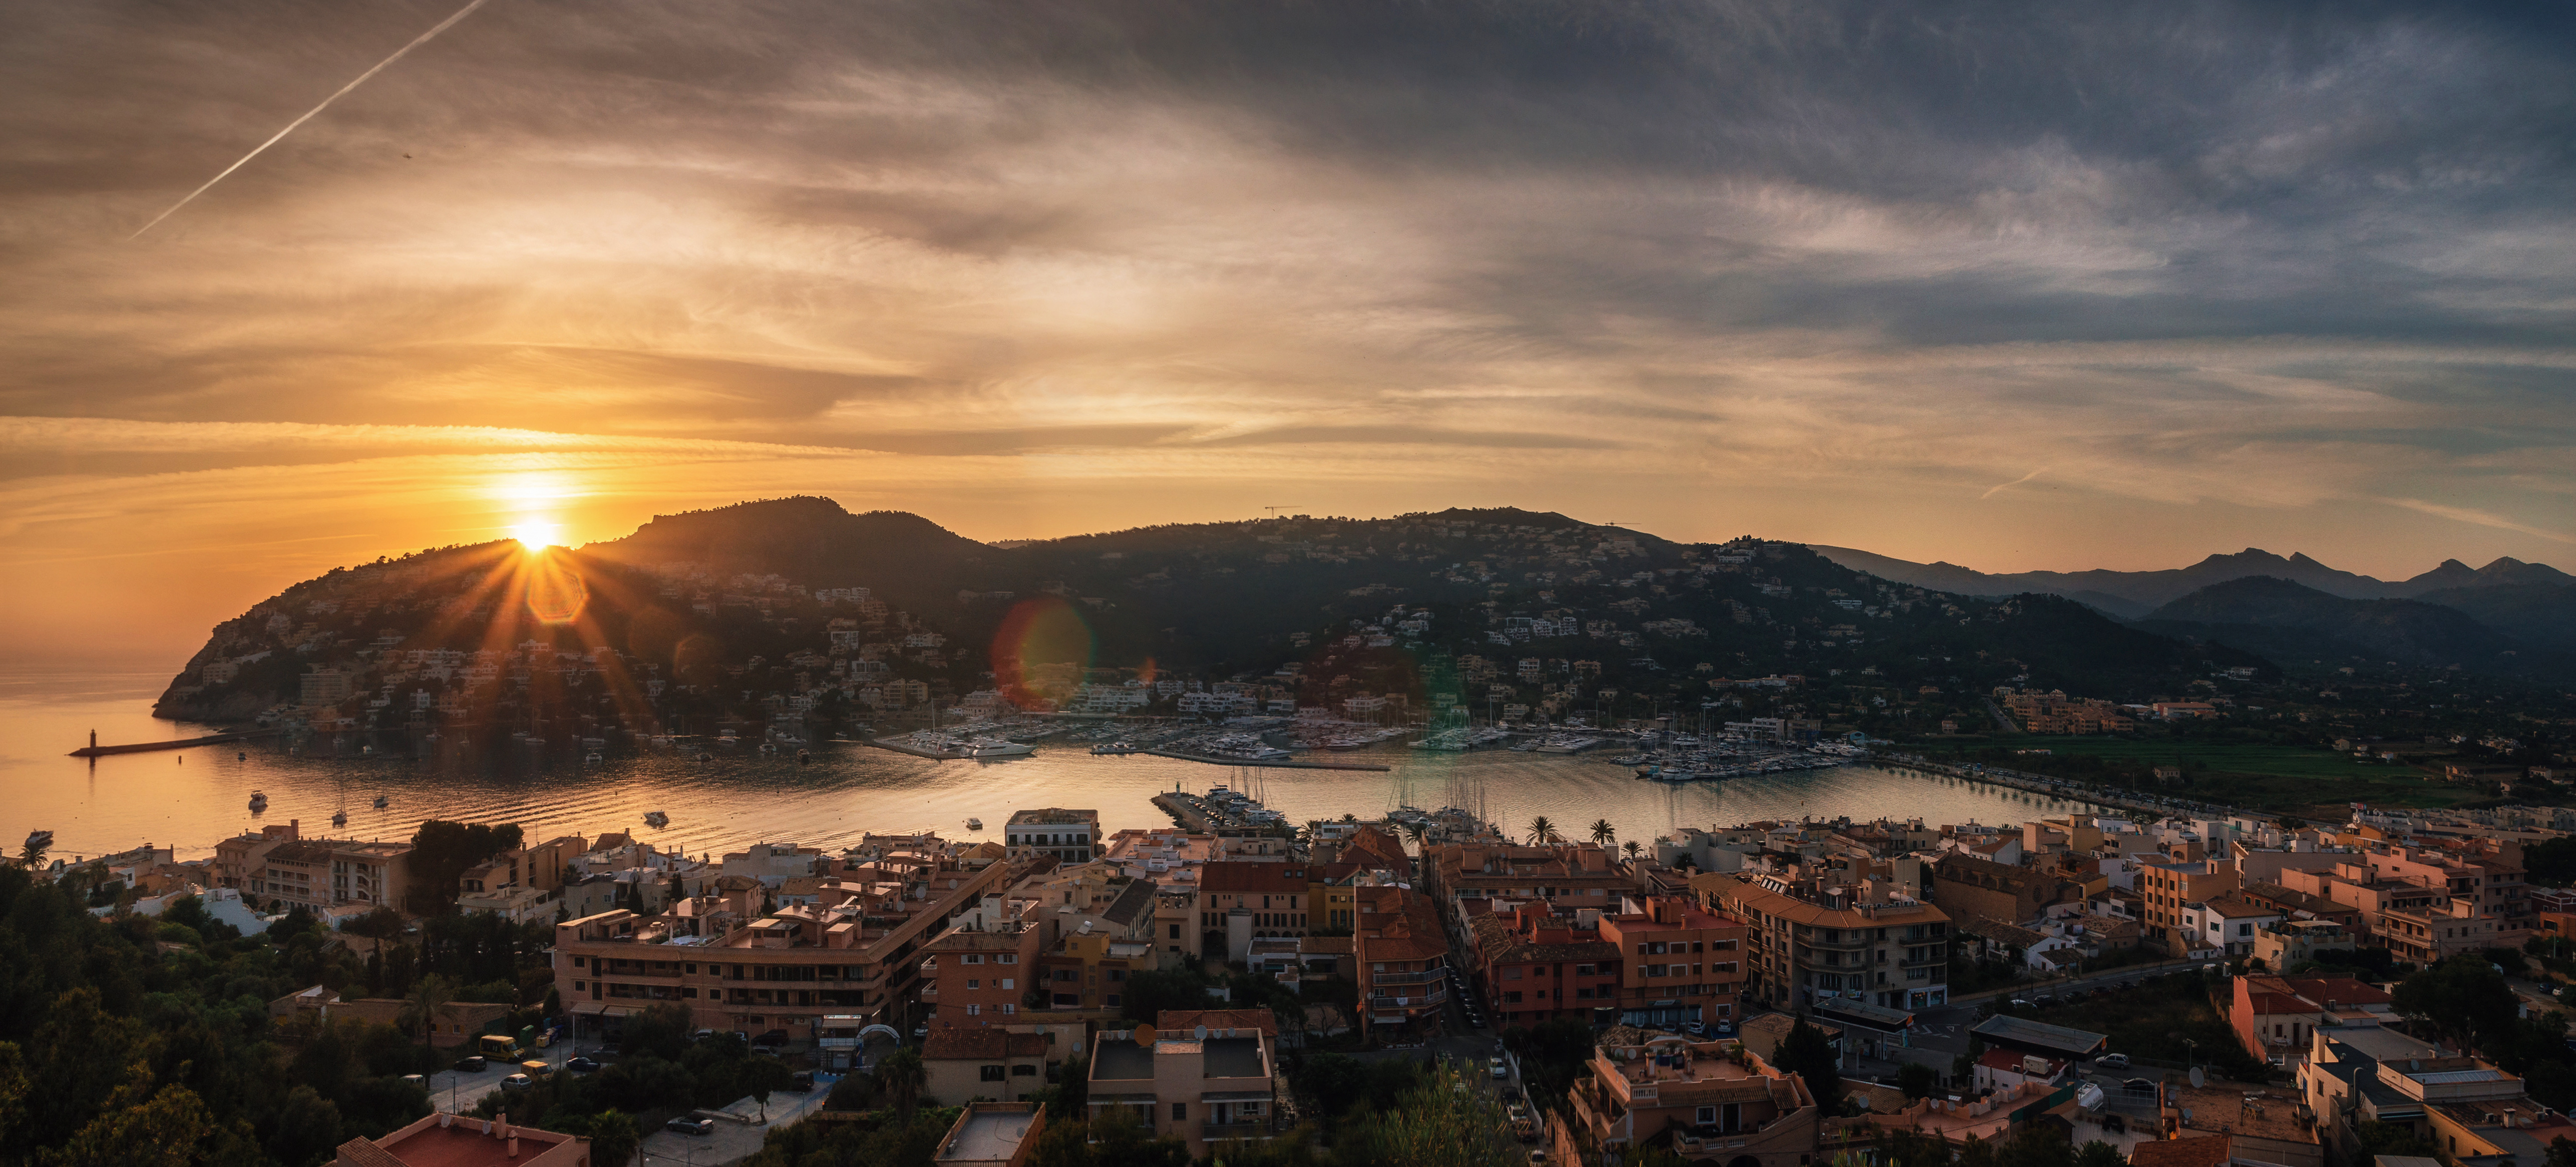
[456,1092]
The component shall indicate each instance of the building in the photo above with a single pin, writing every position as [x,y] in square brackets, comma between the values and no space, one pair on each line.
[1642,1088]
[1403,960]
[971,1064]
[2166,885]
[992,1134]
[2273,1015]
[1066,836]
[1206,1086]
[1538,967]
[2228,923]
[2039,1039]
[317,874]
[1677,962]
[455,1023]
[1889,951]
[1243,901]
[455,1140]
[2284,945]
[1566,877]
[855,954]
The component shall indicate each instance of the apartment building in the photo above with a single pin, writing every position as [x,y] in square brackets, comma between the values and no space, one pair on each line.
[1642,1088]
[321,874]
[2165,885]
[1857,942]
[1207,1085]
[244,857]
[1243,901]
[1402,957]
[1537,966]
[1677,962]
[1066,836]
[854,956]
[970,1065]
[1566,877]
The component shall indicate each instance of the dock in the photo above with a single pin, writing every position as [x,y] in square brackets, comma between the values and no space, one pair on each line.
[1279,764]
[95,750]
[901,746]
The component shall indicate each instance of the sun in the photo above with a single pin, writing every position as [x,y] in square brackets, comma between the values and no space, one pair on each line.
[534,535]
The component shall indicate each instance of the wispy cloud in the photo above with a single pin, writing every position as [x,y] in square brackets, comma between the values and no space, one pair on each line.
[2481,518]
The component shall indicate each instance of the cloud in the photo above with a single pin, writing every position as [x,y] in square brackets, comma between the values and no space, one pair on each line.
[2481,518]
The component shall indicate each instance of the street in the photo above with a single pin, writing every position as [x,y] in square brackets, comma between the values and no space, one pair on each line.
[456,1093]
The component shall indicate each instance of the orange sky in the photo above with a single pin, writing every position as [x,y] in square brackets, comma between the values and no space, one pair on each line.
[2297,285]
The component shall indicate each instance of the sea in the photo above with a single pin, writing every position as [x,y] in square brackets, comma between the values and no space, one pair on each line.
[189,799]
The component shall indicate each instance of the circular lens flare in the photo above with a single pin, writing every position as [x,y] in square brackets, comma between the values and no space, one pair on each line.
[555,593]
[1041,651]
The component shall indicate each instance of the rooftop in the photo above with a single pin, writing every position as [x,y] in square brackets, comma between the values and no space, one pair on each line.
[2053,1038]
[2235,1108]
[463,1144]
[1055,816]
[989,1133]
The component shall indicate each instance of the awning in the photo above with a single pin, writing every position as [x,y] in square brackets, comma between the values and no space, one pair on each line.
[1236,1096]
[1863,1014]
[603,1009]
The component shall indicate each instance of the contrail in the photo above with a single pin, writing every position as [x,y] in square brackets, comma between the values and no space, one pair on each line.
[416,42]
[2015,482]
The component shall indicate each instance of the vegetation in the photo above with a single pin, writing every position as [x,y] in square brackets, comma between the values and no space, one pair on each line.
[1807,1053]
[2168,1018]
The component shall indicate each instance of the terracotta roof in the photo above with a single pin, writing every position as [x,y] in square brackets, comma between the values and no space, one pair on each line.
[954,1043]
[2194,1151]
[362,1153]
[1174,1021]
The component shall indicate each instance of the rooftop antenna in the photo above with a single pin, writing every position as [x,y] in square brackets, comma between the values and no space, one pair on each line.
[1274,510]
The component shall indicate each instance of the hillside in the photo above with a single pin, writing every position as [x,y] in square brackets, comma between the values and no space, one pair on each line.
[2289,620]
[2145,590]
[796,606]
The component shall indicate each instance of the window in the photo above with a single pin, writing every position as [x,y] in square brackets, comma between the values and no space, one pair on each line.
[1006,958]
[1113,1000]
[1116,975]
[970,958]
[974,1010]
[1024,1070]
[988,1073]
[1176,931]
[972,983]
[1512,998]
[1180,1110]
[1705,1116]
[1008,1008]
[1006,982]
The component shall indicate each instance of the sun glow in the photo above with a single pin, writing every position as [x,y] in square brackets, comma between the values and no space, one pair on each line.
[534,535]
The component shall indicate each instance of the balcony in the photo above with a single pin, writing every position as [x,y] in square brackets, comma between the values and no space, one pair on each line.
[1425,977]
[1216,1131]
[1423,1000]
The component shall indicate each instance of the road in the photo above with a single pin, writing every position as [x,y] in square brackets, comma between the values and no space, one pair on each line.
[732,1141]
[456,1093]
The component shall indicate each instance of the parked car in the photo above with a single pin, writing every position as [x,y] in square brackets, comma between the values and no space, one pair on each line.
[1500,1068]
[690,1124]
[518,1082]
[774,1037]
[471,1064]
[417,1080]
[801,1083]
[581,1065]
[1694,1028]
[2112,1062]
[2021,1003]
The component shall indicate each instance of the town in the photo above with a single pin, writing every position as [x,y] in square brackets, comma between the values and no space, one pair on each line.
[2164,990]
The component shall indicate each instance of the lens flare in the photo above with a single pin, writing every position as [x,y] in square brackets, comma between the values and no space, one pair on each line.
[1041,651]
[555,593]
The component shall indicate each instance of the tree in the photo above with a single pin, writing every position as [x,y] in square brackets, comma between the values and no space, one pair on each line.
[1633,848]
[1149,993]
[1917,1080]
[1603,833]
[2096,1153]
[1807,1053]
[2036,1144]
[1542,831]
[902,1075]
[2463,996]
[613,1134]
[421,1008]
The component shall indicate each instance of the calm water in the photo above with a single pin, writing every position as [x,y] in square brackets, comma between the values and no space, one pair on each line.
[191,798]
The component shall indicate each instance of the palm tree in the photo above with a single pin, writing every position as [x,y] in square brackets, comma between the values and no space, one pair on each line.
[1417,831]
[1542,832]
[1632,847]
[1603,833]
[902,1076]
[422,1006]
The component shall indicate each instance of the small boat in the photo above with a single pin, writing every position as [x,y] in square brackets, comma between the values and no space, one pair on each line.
[655,818]
[383,802]
[590,759]
[258,801]
[339,818]
[38,840]
[974,824]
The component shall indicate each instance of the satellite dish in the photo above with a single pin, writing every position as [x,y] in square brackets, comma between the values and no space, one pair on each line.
[2197,1078]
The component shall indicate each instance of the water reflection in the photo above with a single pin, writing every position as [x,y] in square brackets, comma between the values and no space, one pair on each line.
[739,796]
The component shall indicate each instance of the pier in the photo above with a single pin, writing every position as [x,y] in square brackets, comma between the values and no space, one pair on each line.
[1276,764]
[95,750]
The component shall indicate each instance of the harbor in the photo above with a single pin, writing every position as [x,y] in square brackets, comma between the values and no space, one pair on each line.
[95,750]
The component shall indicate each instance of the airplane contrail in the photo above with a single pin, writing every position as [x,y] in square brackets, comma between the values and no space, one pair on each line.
[2015,482]
[416,42]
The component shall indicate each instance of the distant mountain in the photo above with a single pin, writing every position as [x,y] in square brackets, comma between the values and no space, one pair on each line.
[2542,614]
[2288,621]
[2132,593]
[742,610]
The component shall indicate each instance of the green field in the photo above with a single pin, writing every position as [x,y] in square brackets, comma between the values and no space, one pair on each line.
[2260,775]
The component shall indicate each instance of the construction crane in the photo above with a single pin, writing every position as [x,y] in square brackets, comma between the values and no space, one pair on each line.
[1274,511]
